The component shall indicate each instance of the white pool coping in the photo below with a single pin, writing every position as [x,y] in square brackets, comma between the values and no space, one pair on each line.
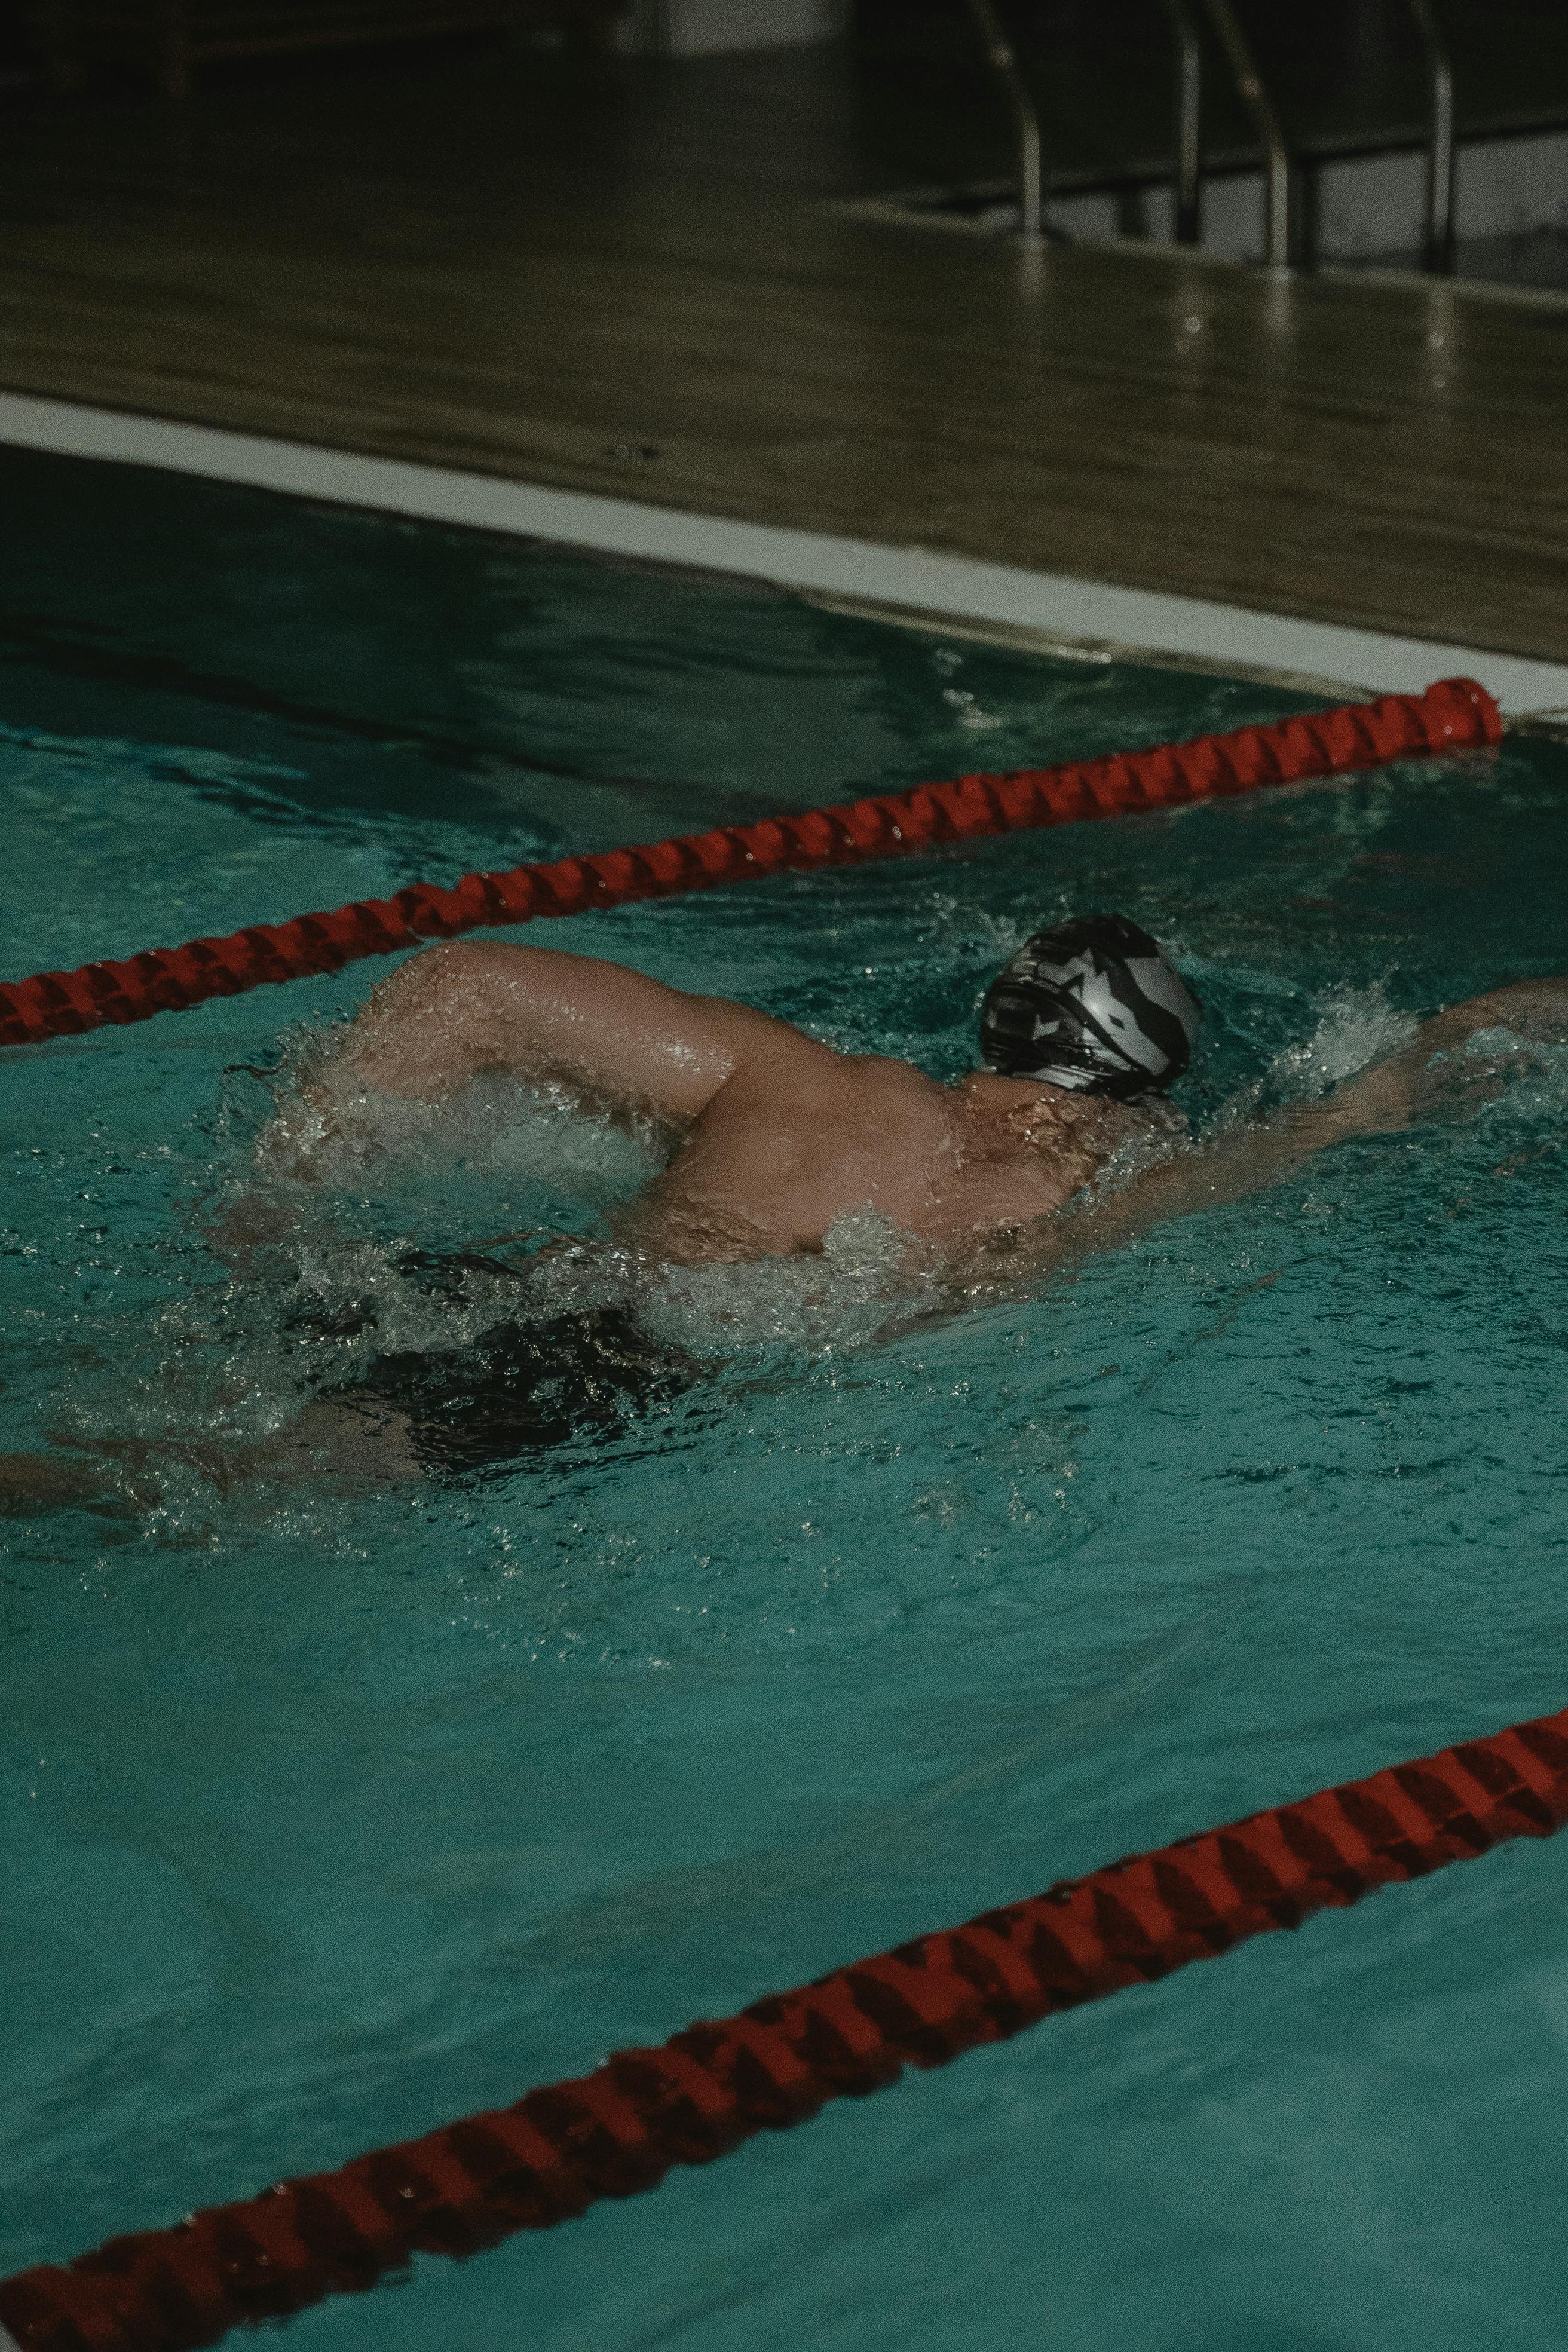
[1081,612]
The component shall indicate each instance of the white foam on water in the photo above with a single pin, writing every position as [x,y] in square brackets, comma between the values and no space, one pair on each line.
[337,1133]
[1356,1027]
[1518,1079]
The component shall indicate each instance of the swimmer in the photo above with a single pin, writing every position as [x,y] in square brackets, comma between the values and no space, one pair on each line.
[774,1136]
[771,1137]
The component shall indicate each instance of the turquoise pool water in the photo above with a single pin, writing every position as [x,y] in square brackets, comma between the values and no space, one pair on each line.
[327,1817]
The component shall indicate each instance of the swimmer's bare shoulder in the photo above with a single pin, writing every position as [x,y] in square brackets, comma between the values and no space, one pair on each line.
[1015,1200]
[789,1143]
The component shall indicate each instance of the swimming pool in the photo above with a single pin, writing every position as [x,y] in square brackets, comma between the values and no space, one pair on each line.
[333,1817]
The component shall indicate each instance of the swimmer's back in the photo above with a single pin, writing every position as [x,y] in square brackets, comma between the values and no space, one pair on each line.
[795,1140]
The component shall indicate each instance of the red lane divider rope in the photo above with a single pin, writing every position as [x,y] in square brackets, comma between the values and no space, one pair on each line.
[621,2128]
[1455,714]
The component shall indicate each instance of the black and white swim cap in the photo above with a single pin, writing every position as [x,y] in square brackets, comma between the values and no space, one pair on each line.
[1094,1005]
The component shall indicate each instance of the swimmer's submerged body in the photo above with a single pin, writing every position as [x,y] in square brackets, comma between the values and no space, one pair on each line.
[773,1138]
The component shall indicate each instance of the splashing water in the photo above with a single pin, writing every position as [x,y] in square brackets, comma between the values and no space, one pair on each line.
[1357,1025]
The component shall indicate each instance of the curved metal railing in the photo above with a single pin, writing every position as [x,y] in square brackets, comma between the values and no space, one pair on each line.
[1003,58]
[1282,238]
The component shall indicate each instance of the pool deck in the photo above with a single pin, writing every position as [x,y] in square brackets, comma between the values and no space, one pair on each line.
[648,285]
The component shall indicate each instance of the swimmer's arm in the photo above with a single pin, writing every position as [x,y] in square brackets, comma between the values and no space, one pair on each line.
[1409,1085]
[1224,1169]
[1191,1181]
[614,1037]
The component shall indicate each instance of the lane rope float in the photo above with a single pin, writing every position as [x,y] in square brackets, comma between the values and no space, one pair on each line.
[621,2128]
[1454,715]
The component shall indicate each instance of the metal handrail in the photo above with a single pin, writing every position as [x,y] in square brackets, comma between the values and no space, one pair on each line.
[1255,96]
[1442,149]
[1187,193]
[1003,60]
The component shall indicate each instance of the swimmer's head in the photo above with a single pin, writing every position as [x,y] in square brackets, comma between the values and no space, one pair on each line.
[1094,1005]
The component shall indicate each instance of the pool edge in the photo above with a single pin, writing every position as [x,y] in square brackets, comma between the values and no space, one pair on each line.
[1090,617]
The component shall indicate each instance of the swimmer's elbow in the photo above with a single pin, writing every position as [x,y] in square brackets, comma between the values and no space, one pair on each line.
[445,1015]
[453,969]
